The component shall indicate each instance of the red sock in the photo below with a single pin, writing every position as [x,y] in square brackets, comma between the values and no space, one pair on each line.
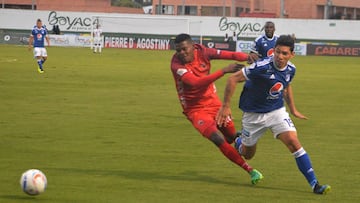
[231,153]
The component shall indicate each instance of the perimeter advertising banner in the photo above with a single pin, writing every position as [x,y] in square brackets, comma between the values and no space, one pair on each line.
[245,46]
[333,50]
[22,38]
[137,42]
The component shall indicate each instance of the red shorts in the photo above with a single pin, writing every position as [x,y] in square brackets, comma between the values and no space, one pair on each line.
[203,120]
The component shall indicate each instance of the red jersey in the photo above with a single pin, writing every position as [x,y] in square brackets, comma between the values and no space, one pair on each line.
[194,84]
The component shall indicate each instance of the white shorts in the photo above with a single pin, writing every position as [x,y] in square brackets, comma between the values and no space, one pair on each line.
[254,125]
[40,51]
[97,40]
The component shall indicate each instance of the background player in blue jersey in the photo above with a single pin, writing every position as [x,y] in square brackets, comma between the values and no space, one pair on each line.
[37,40]
[262,101]
[264,44]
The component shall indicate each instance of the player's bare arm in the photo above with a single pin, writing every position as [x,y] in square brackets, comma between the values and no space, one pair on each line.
[225,110]
[289,99]
[31,40]
[47,40]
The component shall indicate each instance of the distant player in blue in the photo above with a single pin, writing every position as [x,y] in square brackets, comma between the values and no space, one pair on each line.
[37,40]
[262,101]
[264,44]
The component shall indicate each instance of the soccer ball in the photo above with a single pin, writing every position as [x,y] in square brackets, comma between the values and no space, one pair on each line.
[33,182]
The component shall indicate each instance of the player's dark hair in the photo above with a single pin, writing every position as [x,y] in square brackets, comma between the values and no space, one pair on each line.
[286,40]
[38,20]
[270,22]
[182,37]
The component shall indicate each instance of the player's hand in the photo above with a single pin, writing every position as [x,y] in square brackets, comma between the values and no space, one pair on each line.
[252,57]
[232,68]
[223,116]
[299,115]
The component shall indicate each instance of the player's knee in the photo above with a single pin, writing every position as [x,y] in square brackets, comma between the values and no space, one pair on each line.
[216,139]
[248,152]
[247,157]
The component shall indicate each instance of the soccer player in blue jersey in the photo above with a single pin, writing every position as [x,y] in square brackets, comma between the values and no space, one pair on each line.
[267,85]
[264,44]
[37,40]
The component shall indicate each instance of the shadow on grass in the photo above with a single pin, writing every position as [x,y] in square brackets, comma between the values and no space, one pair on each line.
[148,176]
[20,197]
[184,176]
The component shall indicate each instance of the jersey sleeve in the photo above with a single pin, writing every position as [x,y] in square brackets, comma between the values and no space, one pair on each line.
[189,78]
[292,73]
[252,71]
[226,55]
[254,47]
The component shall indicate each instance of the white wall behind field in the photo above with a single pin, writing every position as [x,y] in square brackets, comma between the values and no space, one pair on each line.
[172,25]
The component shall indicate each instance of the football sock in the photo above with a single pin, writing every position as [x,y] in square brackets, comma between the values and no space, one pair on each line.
[231,153]
[43,61]
[40,64]
[304,164]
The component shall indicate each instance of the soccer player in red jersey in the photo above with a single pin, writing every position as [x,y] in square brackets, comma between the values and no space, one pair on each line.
[196,90]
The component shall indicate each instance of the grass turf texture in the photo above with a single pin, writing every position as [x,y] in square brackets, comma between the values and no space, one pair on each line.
[109,128]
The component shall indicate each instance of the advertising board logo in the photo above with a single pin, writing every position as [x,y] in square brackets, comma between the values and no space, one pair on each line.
[276,89]
[210,44]
[71,23]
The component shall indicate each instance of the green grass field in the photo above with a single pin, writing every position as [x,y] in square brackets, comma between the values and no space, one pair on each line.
[109,128]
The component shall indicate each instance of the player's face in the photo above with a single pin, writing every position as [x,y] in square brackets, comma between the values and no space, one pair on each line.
[38,24]
[185,51]
[269,30]
[282,55]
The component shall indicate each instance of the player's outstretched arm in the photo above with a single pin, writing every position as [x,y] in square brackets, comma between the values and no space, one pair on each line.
[225,111]
[237,56]
[289,98]
[31,40]
[194,81]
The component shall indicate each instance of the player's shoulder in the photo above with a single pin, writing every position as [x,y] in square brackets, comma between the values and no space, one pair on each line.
[176,63]
[264,62]
[200,47]
[259,38]
[177,68]
[206,53]
[291,66]
[259,67]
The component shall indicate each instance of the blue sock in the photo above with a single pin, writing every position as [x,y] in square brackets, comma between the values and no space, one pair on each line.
[304,164]
[40,64]
[43,61]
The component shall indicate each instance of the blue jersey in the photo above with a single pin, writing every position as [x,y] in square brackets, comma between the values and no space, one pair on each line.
[39,35]
[264,86]
[265,46]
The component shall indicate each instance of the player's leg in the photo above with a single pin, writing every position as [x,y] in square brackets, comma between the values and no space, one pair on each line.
[303,161]
[252,129]
[230,134]
[99,42]
[95,45]
[38,57]
[284,129]
[43,55]
[206,125]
